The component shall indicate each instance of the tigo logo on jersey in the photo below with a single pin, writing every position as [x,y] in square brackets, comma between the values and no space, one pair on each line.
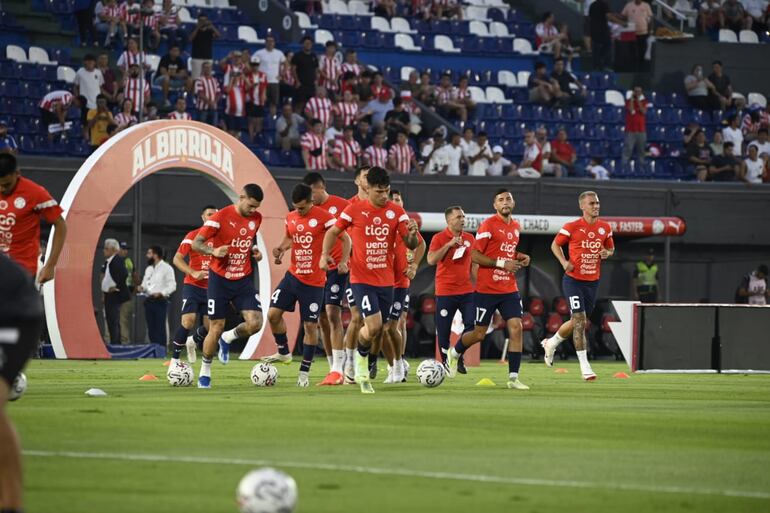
[594,246]
[379,232]
[304,240]
[508,248]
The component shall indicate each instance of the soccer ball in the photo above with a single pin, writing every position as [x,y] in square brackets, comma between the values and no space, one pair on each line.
[264,375]
[267,490]
[180,375]
[19,387]
[430,373]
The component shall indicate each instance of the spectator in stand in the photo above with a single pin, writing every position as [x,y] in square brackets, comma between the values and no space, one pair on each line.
[151,22]
[699,156]
[437,162]
[305,65]
[600,16]
[413,84]
[347,152]
[574,93]
[235,104]
[401,158]
[753,168]
[640,14]
[98,121]
[288,80]
[531,163]
[330,70]
[89,81]
[757,12]
[427,146]
[351,64]
[478,156]
[363,92]
[385,8]
[709,15]
[762,142]
[53,110]
[271,61]
[448,103]
[319,107]
[550,40]
[236,60]
[256,97]
[378,108]
[152,112]
[109,19]
[455,152]
[334,132]
[467,141]
[180,110]
[546,167]
[427,92]
[755,119]
[288,127]
[689,132]
[313,146]
[562,152]
[726,167]
[378,84]
[499,165]
[636,126]
[397,120]
[732,133]
[207,96]
[733,16]
[109,85]
[202,39]
[363,134]
[376,154]
[171,26]
[172,74]
[699,89]
[415,121]
[131,56]
[349,82]
[84,14]
[717,143]
[723,89]
[463,93]
[347,109]
[447,9]
[754,288]
[542,89]
[136,88]
[125,118]
[586,6]
[597,170]
[7,142]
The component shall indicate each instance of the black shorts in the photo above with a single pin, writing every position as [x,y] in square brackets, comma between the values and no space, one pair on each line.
[221,292]
[581,295]
[194,300]
[255,111]
[335,287]
[509,306]
[291,291]
[18,342]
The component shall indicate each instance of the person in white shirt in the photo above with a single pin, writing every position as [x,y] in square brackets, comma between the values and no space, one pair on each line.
[762,142]
[733,133]
[547,167]
[478,156]
[438,159]
[531,163]
[499,166]
[334,132]
[89,81]
[597,170]
[753,168]
[455,152]
[157,286]
[271,59]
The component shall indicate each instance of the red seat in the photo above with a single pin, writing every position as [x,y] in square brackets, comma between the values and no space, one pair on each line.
[428,305]
[536,306]
[409,321]
[527,322]
[606,319]
[553,323]
[346,317]
[560,306]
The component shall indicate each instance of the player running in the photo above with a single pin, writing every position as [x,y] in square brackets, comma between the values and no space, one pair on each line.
[305,280]
[373,226]
[232,232]
[450,251]
[23,203]
[590,241]
[336,283]
[495,252]
[196,279]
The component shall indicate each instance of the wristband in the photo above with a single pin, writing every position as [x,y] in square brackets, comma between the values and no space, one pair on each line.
[500,263]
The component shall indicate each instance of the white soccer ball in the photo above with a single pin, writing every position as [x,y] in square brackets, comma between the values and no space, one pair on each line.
[180,375]
[19,387]
[430,373]
[264,374]
[267,490]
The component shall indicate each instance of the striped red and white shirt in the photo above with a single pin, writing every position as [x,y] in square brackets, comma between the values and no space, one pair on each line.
[179,115]
[229,68]
[312,143]
[374,156]
[257,87]
[53,98]
[127,58]
[354,68]
[152,22]
[463,93]
[235,96]
[444,95]
[347,111]
[331,71]
[321,109]
[113,11]
[169,18]
[208,88]
[287,77]
[123,120]
[136,93]
[402,156]
[133,16]
[348,152]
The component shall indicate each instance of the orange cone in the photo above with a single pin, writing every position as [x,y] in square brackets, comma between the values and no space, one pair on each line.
[167,363]
[561,370]
[148,377]
[621,375]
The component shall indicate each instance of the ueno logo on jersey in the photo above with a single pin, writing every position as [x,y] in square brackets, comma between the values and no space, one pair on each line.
[507,247]
[379,232]
[171,144]
[304,240]
[594,245]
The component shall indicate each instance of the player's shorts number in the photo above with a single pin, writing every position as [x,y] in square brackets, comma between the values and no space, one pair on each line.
[574,302]
[184,302]
[211,306]
[365,304]
[480,313]
[349,295]
[274,297]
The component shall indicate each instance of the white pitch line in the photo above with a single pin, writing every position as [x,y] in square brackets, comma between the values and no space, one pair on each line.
[479,478]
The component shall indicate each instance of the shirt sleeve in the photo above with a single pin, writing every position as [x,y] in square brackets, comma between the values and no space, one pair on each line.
[436,242]
[169,281]
[563,236]
[210,227]
[483,236]
[609,242]
[185,246]
[403,223]
[46,206]
[345,218]
[329,220]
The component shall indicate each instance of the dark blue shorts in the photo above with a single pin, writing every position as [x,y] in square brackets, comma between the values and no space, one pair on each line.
[371,300]
[581,295]
[446,306]
[241,293]
[335,288]
[509,306]
[291,291]
[400,303]
[350,297]
[194,300]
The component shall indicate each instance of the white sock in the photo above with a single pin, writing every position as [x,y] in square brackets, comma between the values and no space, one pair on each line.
[399,366]
[189,339]
[175,361]
[205,368]
[585,367]
[351,356]
[338,360]
[513,376]
[453,352]
[229,335]
[555,340]
[330,360]
[306,374]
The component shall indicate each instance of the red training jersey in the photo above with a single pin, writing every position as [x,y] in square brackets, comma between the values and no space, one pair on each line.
[20,214]
[197,261]
[229,228]
[307,237]
[453,272]
[373,232]
[401,262]
[497,239]
[585,243]
[335,205]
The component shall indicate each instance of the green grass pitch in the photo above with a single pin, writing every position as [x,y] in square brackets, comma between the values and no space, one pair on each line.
[653,443]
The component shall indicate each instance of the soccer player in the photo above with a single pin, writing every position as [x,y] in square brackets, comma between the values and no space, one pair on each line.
[590,241]
[450,251]
[23,203]
[305,280]
[373,226]
[196,280]
[495,251]
[21,322]
[336,282]
[232,232]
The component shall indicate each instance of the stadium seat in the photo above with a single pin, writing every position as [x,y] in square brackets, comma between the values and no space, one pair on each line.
[405,42]
[523,46]
[522,77]
[506,78]
[380,23]
[405,72]
[474,12]
[184,15]
[527,322]
[65,74]
[444,44]
[337,7]
[322,36]
[401,25]
[614,98]
[748,36]
[499,29]
[15,53]
[478,28]
[496,95]
[757,98]
[477,94]
[536,306]
[553,323]
[560,305]
[303,21]
[38,55]
[248,34]
[358,8]
[727,36]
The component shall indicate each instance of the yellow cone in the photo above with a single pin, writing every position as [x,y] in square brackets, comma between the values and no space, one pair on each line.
[486,382]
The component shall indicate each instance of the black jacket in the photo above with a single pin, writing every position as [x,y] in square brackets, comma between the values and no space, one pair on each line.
[120,276]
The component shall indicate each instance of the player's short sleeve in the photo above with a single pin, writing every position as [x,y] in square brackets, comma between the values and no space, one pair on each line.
[483,236]
[185,247]
[210,227]
[609,242]
[46,206]
[345,219]
[327,219]
[286,228]
[403,222]
[564,235]
[437,241]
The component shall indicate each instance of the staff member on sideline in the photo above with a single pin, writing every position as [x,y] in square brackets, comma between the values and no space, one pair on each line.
[646,279]
[114,288]
[127,308]
[157,285]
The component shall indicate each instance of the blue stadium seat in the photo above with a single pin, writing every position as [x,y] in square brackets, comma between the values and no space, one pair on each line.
[351,39]
[491,45]
[459,28]
[440,27]
[471,44]
[678,100]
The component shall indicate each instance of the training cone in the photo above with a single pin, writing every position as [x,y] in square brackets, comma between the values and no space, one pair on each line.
[167,363]
[486,382]
[561,370]
[148,377]
[621,375]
